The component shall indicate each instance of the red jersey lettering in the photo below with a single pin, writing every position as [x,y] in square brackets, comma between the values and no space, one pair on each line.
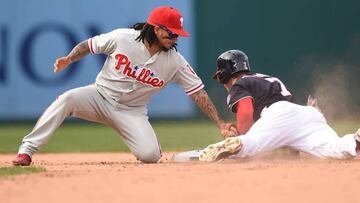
[122,60]
[142,75]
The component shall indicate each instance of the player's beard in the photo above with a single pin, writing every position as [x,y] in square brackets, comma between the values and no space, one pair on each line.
[167,49]
[160,43]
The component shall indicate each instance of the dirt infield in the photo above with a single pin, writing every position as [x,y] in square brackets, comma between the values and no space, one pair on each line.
[116,177]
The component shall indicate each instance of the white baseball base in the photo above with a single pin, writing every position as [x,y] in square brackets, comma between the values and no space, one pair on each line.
[187,156]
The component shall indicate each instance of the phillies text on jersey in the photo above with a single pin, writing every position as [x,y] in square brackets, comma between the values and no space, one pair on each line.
[130,75]
[143,75]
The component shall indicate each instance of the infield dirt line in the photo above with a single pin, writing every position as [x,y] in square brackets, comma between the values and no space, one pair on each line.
[118,177]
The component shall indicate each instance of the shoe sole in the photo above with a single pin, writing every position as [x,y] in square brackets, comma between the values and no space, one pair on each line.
[20,164]
[357,135]
[221,150]
[22,161]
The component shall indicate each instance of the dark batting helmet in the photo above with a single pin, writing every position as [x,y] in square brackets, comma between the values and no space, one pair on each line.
[229,63]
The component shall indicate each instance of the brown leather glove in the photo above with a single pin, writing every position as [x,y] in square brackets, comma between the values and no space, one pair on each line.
[228,130]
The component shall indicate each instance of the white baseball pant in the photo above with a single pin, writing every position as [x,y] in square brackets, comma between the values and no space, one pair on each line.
[303,128]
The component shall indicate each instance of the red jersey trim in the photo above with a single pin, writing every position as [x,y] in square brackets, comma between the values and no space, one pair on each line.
[195,89]
[235,103]
[244,115]
[90,46]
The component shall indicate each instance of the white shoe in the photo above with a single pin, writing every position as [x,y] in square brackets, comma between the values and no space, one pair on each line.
[357,135]
[357,138]
[221,150]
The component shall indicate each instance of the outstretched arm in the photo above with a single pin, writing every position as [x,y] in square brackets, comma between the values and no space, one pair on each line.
[202,99]
[78,52]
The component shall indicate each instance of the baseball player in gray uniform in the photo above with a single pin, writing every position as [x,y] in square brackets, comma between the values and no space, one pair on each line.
[140,62]
[268,118]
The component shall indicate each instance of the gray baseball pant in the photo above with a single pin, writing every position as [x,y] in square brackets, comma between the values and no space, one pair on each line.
[87,103]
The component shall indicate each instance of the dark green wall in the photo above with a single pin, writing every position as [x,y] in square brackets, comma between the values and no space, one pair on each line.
[313,46]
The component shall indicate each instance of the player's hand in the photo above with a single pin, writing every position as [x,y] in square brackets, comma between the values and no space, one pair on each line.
[228,130]
[313,102]
[61,63]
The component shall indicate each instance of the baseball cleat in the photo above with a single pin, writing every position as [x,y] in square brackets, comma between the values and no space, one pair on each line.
[357,139]
[221,150]
[357,135]
[22,160]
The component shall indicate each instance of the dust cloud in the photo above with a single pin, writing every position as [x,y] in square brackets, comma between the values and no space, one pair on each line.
[334,89]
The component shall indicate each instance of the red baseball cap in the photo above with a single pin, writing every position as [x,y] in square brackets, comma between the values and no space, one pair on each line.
[168,17]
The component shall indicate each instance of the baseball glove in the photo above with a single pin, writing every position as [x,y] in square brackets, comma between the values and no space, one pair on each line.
[228,130]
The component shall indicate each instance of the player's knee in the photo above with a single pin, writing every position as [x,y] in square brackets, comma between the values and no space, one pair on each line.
[149,155]
[68,98]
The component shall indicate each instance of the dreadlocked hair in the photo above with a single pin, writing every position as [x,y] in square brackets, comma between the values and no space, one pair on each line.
[147,32]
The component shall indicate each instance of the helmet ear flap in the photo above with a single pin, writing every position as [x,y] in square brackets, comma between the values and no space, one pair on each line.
[224,69]
[224,76]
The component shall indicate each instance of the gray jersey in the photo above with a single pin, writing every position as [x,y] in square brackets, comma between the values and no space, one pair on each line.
[130,76]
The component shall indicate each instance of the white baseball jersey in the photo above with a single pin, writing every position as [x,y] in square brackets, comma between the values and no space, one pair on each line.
[130,76]
[128,79]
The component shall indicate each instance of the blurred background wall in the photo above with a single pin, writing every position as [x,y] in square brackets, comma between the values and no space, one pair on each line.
[34,33]
[312,45]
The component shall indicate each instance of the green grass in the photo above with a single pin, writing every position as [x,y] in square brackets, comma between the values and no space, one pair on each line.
[91,137]
[9,171]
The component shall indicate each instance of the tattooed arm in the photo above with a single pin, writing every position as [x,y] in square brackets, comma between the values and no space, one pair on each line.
[202,99]
[78,52]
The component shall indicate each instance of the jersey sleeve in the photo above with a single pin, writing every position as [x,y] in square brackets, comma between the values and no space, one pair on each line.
[103,44]
[187,79]
[244,115]
[237,92]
